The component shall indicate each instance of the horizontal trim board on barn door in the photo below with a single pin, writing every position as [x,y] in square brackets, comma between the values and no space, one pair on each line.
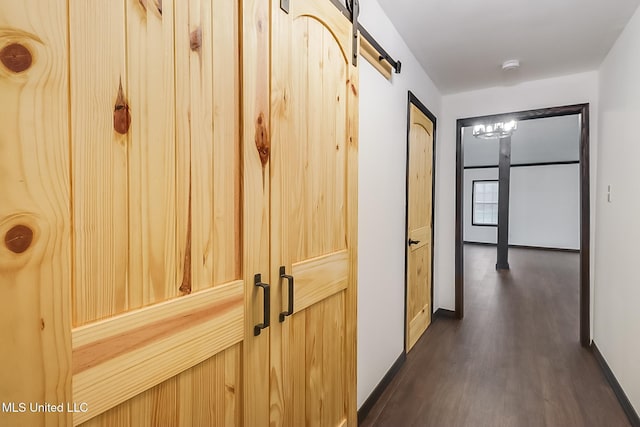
[333,271]
[130,353]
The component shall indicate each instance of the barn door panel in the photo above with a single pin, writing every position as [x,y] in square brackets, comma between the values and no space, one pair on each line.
[313,208]
[159,282]
[35,220]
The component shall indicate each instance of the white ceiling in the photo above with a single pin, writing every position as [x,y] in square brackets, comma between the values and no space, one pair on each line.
[552,139]
[462,43]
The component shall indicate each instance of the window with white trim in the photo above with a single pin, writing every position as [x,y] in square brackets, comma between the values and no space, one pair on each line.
[485,203]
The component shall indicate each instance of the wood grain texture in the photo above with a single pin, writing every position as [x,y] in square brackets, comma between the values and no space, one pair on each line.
[35,220]
[281,383]
[226,235]
[154,167]
[185,122]
[151,156]
[99,158]
[419,225]
[418,293]
[314,126]
[296,376]
[514,360]
[351,293]
[232,394]
[368,52]
[324,372]
[121,357]
[207,394]
[165,195]
[255,212]
[325,378]
[208,137]
[316,385]
[208,303]
[176,189]
[195,137]
[319,278]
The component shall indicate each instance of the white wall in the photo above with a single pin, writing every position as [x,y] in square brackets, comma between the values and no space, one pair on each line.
[381,200]
[572,89]
[617,282]
[544,206]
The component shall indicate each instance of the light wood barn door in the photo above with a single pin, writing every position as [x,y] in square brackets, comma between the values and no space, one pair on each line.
[35,220]
[419,225]
[158,279]
[313,211]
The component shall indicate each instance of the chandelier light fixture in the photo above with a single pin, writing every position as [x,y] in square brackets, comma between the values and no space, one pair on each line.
[495,130]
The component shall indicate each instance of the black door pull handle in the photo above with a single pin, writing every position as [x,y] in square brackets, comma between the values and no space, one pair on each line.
[413,242]
[266,305]
[289,279]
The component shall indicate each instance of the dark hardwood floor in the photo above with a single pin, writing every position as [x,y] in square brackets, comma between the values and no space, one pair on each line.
[514,360]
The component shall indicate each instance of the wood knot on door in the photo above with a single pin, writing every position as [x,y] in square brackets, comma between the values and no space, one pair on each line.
[18,238]
[157,6]
[263,144]
[121,115]
[16,57]
[195,39]
[185,286]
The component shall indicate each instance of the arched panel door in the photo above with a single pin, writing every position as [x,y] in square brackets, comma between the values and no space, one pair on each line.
[313,212]
[419,225]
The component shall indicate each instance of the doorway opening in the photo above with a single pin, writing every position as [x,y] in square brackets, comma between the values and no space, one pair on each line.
[487,214]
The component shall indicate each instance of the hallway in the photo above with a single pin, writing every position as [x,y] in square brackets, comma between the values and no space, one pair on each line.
[515,359]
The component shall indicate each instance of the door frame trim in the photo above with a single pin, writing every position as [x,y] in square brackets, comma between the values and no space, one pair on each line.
[585,232]
[412,99]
